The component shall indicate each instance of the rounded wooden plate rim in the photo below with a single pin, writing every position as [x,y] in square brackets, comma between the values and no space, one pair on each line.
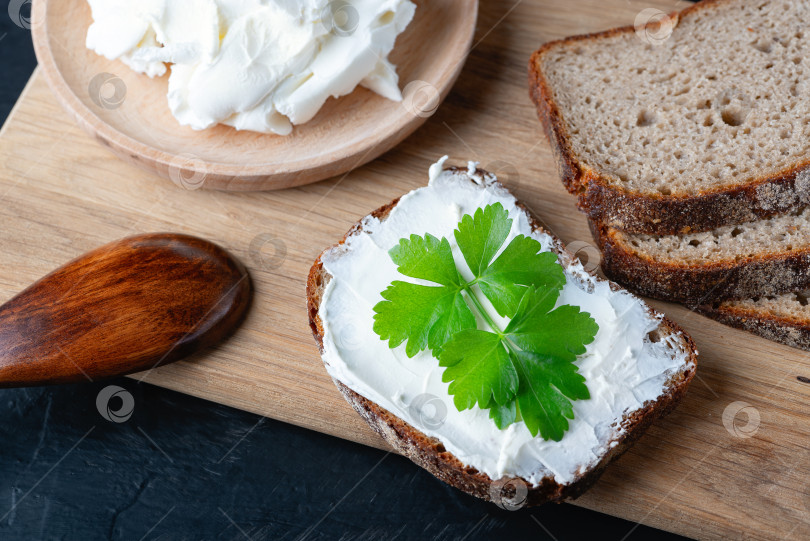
[92,123]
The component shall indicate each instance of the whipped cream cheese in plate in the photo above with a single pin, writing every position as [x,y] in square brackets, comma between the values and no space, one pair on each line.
[259,65]
[623,368]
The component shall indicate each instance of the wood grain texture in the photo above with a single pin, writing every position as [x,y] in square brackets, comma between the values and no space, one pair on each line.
[135,121]
[63,194]
[128,306]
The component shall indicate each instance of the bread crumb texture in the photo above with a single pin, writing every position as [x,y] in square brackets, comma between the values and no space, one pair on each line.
[790,306]
[719,103]
[780,234]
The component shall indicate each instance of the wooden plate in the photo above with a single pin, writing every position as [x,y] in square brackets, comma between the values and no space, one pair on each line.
[128,112]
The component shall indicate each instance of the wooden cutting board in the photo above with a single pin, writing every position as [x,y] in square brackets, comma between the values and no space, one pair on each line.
[62,194]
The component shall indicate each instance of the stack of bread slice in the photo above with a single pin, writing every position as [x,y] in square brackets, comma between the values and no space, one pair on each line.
[687,143]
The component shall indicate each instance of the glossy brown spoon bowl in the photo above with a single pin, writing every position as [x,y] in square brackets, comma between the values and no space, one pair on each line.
[128,306]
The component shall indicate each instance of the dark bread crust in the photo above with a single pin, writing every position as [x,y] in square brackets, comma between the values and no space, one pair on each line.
[789,331]
[658,214]
[696,285]
[430,454]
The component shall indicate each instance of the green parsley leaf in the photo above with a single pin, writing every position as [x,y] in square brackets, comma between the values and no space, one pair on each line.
[480,236]
[525,372]
[479,368]
[546,385]
[519,266]
[427,258]
[425,316]
[503,415]
[562,333]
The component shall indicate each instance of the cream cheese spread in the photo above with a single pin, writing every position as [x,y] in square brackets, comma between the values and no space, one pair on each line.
[623,368]
[260,65]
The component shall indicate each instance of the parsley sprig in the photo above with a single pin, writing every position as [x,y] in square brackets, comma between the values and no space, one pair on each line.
[523,371]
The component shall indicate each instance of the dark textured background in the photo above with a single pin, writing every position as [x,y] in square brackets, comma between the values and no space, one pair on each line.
[184,468]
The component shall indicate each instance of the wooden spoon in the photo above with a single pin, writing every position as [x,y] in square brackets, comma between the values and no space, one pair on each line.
[125,307]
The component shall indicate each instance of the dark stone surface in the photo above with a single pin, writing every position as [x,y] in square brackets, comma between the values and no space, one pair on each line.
[184,468]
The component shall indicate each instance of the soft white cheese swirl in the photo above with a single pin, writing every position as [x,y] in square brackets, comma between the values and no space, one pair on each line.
[260,65]
[623,369]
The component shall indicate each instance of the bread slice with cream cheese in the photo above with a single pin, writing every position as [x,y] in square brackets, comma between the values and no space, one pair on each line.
[637,369]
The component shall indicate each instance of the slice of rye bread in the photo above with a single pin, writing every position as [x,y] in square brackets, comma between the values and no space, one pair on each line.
[430,453]
[781,318]
[766,257]
[664,134]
